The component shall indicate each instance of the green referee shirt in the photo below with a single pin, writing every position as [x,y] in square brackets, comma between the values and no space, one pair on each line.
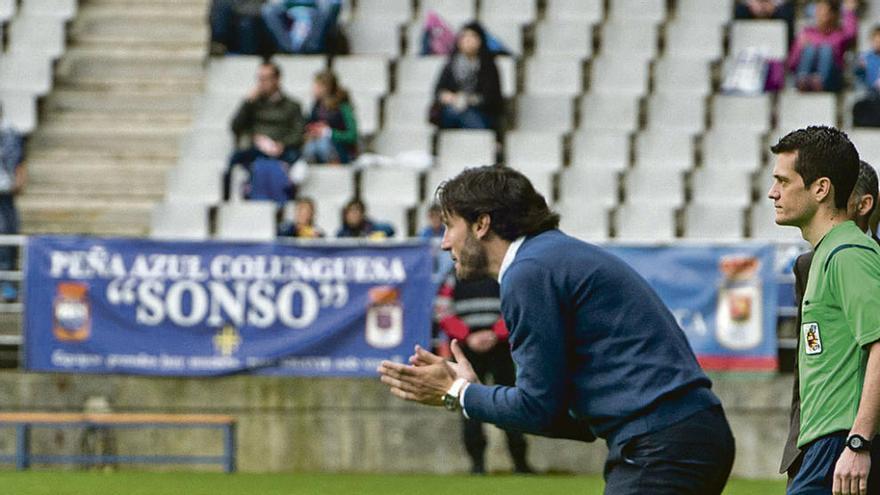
[839,317]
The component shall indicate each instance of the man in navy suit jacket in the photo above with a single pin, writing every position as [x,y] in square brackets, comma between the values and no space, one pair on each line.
[598,354]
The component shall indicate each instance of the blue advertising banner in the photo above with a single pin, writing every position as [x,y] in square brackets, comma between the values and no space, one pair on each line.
[201,309]
[724,297]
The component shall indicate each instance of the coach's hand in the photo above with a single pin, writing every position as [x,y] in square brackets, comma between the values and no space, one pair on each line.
[428,378]
[851,473]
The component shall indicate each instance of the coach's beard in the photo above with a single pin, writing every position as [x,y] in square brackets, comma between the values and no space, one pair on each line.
[473,262]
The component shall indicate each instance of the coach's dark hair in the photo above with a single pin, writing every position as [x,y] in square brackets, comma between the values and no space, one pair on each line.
[507,196]
[867,183]
[823,152]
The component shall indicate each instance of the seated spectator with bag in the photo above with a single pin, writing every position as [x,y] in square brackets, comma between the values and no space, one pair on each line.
[331,132]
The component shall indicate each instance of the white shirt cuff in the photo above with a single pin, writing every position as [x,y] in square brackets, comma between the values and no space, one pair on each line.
[461,399]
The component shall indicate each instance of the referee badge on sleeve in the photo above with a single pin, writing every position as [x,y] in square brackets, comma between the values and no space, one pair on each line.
[811,338]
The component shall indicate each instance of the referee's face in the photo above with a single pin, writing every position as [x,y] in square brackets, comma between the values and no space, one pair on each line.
[792,199]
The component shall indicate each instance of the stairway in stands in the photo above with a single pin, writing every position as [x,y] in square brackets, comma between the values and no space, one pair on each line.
[110,129]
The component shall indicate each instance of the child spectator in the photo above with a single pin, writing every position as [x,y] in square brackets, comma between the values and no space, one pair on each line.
[468,93]
[355,223]
[331,133]
[303,225]
[817,55]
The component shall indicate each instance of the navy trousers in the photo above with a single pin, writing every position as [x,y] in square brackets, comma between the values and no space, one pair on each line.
[815,476]
[691,457]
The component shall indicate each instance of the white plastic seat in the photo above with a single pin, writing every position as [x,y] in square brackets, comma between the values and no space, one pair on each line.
[664,151]
[695,40]
[714,222]
[797,110]
[366,111]
[363,73]
[867,142]
[653,186]
[638,10]
[391,12]
[298,71]
[589,186]
[19,111]
[542,181]
[645,222]
[328,183]
[509,34]
[545,113]
[554,76]
[600,150]
[233,74]
[63,9]
[618,112]
[465,148]
[417,75]
[582,11]
[408,111]
[206,144]
[567,38]
[247,221]
[608,75]
[328,214]
[741,113]
[23,73]
[534,151]
[179,221]
[768,36]
[397,185]
[194,182]
[373,37]
[732,150]
[682,76]
[394,141]
[455,12]
[724,186]
[628,41]
[517,12]
[672,112]
[8,9]
[583,220]
[37,35]
[216,111]
[507,73]
[716,12]
[762,218]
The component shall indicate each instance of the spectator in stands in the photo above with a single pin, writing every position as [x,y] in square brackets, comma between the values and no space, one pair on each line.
[435,228]
[468,93]
[303,225]
[356,223]
[331,132]
[816,57]
[301,26]
[470,312]
[866,111]
[767,9]
[13,175]
[237,27]
[271,121]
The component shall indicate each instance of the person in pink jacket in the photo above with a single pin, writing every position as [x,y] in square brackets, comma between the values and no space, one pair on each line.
[817,55]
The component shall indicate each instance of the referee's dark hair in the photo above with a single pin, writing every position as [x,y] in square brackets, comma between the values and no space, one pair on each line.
[867,184]
[507,196]
[823,151]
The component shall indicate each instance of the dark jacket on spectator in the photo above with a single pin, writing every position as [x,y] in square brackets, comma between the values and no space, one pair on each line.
[280,118]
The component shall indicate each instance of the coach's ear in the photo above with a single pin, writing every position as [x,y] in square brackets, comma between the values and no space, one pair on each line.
[481,226]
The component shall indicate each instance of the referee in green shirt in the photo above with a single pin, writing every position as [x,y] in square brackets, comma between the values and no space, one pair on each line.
[839,353]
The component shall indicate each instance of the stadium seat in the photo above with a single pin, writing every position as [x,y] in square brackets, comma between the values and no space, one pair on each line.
[589,186]
[653,186]
[629,42]
[664,151]
[373,36]
[329,184]
[685,77]
[673,112]
[408,111]
[645,222]
[584,220]
[768,36]
[694,40]
[191,183]
[545,113]
[298,72]
[391,185]
[586,12]
[554,76]
[206,144]
[63,9]
[609,75]
[328,214]
[741,113]
[507,73]
[391,12]
[366,110]
[510,35]
[564,38]
[418,75]
[722,185]
[23,73]
[394,141]
[638,10]
[363,73]
[516,12]
[216,111]
[457,149]
[716,12]
[798,110]
[393,213]
[180,221]
[542,181]
[618,112]
[455,12]
[248,221]
[534,151]
[8,9]
[762,218]
[232,75]
[37,35]
[600,150]
[732,150]
[714,221]
[19,111]
[867,141]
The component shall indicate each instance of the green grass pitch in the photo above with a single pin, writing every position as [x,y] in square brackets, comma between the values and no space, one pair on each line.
[141,483]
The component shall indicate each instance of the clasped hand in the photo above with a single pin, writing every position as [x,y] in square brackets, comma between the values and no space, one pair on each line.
[428,376]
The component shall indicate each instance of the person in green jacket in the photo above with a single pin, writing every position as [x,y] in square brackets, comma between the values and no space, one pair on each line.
[331,132]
